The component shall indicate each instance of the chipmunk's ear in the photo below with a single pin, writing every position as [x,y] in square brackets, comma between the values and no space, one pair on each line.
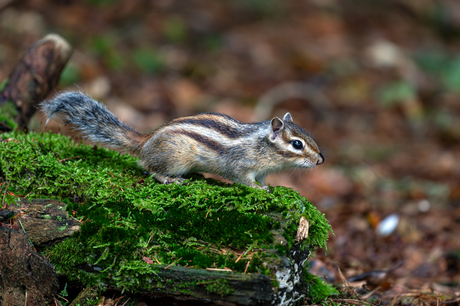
[288,118]
[277,126]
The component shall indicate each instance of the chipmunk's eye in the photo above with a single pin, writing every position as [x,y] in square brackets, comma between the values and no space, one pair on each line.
[297,144]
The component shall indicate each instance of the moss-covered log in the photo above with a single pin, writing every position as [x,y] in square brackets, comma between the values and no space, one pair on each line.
[202,240]
[46,221]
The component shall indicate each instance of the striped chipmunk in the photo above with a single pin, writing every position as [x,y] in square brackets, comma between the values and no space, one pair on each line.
[209,142]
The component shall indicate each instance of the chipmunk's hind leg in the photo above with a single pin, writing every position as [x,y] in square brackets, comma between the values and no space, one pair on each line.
[166,158]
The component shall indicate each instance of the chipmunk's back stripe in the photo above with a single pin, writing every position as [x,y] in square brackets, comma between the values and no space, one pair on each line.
[213,145]
[216,125]
[227,117]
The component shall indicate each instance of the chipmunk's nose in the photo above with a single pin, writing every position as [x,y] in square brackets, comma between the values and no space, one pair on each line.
[320,160]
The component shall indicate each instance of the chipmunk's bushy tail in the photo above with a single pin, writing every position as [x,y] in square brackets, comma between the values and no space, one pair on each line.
[93,119]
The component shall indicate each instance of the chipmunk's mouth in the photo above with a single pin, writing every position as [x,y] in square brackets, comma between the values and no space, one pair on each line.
[307,163]
[313,161]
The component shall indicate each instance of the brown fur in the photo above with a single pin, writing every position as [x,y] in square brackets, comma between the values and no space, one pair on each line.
[214,143]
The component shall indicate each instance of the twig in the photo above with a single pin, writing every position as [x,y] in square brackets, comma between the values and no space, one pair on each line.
[25,232]
[207,212]
[57,301]
[216,269]
[353,302]
[344,280]
[173,263]
[370,293]
[290,90]
[150,238]
[247,266]
[4,194]
[19,214]
[63,298]
[5,127]
[239,257]
[395,300]
[117,299]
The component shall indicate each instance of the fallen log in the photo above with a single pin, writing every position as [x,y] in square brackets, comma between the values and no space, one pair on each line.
[47,223]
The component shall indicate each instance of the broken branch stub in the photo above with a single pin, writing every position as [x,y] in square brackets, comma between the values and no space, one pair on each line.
[35,75]
[302,230]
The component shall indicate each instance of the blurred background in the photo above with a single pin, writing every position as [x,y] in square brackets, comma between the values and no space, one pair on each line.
[376,83]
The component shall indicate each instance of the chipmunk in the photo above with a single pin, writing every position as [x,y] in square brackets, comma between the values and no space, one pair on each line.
[209,142]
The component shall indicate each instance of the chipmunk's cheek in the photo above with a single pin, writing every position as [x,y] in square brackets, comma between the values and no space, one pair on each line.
[300,163]
[309,164]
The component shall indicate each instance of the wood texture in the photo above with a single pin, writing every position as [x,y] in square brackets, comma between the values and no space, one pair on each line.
[27,278]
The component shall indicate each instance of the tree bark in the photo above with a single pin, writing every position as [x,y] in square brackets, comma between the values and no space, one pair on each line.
[24,273]
[27,278]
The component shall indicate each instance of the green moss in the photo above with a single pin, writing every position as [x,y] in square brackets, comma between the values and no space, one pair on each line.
[3,85]
[8,112]
[132,225]
[88,297]
[33,163]
[319,289]
[219,287]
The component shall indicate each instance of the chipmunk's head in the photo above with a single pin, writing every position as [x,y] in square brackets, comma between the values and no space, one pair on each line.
[293,144]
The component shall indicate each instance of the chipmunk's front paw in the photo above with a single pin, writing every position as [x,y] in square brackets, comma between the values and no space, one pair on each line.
[170,180]
[266,188]
[177,180]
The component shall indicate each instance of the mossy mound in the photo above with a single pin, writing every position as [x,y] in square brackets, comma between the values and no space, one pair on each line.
[132,225]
